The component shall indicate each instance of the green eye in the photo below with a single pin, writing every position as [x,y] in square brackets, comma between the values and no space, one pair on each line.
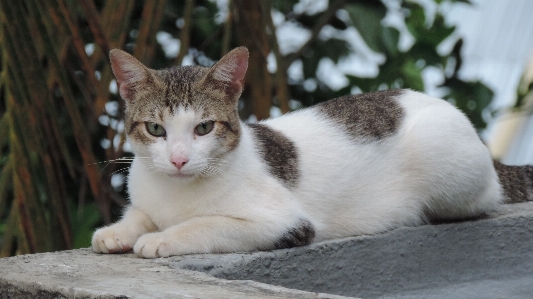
[155,129]
[204,128]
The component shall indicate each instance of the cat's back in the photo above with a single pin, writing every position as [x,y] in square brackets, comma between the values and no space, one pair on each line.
[379,152]
[370,117]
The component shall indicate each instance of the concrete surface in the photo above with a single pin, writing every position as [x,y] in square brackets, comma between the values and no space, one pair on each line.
[84,274]
[489,258]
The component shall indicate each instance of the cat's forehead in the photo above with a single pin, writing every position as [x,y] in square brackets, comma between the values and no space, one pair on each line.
[182,74]
[184,86]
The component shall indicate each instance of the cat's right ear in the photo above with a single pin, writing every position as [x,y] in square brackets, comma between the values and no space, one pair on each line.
[130,73]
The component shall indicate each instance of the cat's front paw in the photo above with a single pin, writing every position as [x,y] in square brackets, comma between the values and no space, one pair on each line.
[156,245]
[112,240]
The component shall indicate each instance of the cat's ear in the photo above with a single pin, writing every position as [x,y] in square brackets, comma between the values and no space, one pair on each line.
[230,70]
[131,74]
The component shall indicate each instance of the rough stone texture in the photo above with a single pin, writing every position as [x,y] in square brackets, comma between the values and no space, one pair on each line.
[490,258]
[84,274]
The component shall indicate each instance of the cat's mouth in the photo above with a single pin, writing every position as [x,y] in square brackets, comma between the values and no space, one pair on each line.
[181,175]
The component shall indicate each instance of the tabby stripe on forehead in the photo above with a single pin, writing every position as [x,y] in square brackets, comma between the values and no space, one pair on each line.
[278,152]
[368,117]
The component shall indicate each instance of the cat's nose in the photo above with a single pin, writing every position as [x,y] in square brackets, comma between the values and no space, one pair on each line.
[179,161]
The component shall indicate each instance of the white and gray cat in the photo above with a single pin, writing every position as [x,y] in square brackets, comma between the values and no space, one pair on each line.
[204,182]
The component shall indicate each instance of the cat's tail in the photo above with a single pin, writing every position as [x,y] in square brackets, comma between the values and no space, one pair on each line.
[516,181]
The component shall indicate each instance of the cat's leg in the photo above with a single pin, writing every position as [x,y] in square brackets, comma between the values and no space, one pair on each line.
[217,234]
[121,236]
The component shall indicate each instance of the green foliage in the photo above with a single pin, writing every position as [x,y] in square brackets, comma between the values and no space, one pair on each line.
[84,219]
[366,17]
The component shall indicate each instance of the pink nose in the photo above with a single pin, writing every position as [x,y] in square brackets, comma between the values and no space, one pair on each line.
[179,161]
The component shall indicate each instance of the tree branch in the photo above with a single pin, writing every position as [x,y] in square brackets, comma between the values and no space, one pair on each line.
[315,31]
[185,34]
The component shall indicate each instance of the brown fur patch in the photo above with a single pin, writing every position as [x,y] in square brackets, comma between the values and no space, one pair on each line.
[302,234]
[516,181]
[373,116]
[278,152]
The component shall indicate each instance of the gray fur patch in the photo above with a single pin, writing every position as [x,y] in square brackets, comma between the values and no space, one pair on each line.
[516,181]
[278,152]
[301,235]
[373,116]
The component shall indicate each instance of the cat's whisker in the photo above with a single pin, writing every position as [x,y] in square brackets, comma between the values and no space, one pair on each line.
[122,160]
[120,171]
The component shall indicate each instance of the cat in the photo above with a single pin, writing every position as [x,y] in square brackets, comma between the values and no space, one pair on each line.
[202,181]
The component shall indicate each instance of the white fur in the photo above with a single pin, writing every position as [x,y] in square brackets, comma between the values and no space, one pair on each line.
[434,165]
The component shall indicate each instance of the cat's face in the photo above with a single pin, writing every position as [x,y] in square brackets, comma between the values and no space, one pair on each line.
[182,121]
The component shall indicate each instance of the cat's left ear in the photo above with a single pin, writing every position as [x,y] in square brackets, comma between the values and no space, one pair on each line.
[230,70]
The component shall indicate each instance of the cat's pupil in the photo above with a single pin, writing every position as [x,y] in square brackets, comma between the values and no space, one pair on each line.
[155,129]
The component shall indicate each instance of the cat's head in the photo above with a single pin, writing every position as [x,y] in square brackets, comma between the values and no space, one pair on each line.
[182,121]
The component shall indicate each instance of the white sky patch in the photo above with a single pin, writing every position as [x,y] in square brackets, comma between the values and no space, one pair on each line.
[104,120]
[275,112]
[277,18]
[352,36]
[105,143]
[187,60]
[117,181]
[113,88]
[310,7]
[358,66]
[116,141]
[169,44]
[291,37]
[310,85]
[223,11]
[120,126]
[111,108]
[396,19]
[295,71]
[271,63]
[89,49]
[252,119]
[330,74]
[127,147]
[433,77]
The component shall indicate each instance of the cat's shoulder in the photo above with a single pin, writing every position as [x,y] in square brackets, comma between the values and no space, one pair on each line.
[277,151]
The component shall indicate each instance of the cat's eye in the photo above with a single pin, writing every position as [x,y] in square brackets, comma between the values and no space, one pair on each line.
[204,128]
[155,129]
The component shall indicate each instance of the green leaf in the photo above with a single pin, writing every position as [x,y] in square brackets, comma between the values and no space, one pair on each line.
[390,38]
[84,223]
[471,98]
[415,20]
[412,76]
[333,48]
[366,17]
[309,21]
[439,31]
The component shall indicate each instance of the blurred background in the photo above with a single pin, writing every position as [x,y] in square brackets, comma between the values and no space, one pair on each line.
[61,120]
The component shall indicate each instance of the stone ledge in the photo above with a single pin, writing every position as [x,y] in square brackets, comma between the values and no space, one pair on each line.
[84,274]
[490,258]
